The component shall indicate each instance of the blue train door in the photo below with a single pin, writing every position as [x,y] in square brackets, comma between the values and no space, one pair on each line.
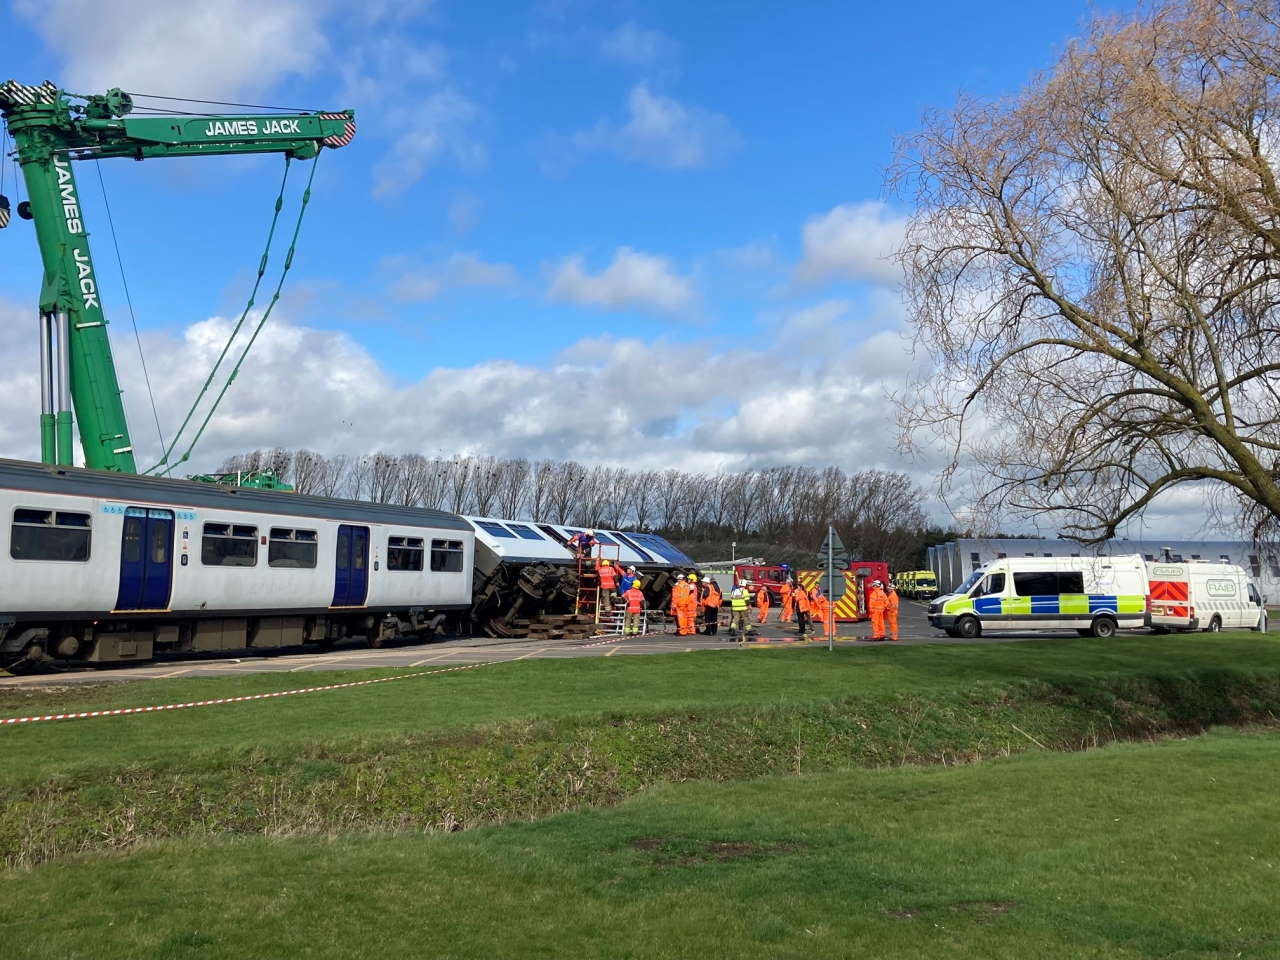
[351,571]
[146,559]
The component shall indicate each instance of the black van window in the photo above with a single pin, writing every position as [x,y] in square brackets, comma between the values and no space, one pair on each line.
[1071,582]
[1035,584]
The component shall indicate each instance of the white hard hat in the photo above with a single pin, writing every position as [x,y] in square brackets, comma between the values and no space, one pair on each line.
[876,583]
[679,576]
[591,533]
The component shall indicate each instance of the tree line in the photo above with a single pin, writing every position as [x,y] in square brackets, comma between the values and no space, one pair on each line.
[781,512]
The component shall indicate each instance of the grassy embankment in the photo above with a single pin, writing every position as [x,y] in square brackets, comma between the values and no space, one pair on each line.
[1147,851]
[525,740]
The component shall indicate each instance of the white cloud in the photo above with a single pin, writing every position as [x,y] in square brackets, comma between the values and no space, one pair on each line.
[753,256]
[693,405]
[216,48]
[632,43]
[853,241]
[633,280]
[425,281]
[439,126]
[663,132]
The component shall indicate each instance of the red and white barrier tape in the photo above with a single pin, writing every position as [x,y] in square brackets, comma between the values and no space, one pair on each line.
[159,708]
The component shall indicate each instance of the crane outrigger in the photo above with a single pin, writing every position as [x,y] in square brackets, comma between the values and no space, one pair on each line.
[52,128]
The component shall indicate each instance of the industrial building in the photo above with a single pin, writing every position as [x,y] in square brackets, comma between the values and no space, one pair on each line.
[954,561]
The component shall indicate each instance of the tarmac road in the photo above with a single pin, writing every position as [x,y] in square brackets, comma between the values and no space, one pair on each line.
[915,629]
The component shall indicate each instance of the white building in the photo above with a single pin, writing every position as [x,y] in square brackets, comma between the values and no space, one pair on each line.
[954,561]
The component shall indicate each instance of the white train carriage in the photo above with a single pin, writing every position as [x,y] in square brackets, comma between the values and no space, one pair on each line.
[525,541]
[103,566]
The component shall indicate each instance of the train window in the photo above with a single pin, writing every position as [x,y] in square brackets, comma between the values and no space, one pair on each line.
[497,529]
[229,545]
[49,535]
[292,548]
[446,556]
[405,553]
[524,532]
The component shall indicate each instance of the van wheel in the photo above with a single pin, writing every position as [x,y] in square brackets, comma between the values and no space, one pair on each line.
[1103,627]
[951,631]
[968,628]
[1215,625]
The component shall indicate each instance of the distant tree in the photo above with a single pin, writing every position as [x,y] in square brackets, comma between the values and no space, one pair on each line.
[1093,268]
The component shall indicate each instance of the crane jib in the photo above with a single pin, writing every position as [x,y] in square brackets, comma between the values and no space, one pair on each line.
[234,130]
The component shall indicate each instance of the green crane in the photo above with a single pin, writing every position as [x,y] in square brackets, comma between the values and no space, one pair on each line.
[50,129]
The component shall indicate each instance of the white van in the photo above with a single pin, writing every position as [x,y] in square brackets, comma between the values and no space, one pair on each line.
[1202,595]
[1092,595]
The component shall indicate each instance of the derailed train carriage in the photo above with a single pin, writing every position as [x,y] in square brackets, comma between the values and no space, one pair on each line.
[105,567]
[526,570]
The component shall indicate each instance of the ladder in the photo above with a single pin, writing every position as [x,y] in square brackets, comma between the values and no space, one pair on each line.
[589,599]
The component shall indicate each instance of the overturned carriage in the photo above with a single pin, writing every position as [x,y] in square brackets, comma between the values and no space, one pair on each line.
[529,581]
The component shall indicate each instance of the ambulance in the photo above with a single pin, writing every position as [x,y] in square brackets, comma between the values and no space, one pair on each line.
[1095,596]
[1202,595]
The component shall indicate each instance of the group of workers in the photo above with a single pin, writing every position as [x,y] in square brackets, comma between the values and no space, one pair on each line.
[696,603]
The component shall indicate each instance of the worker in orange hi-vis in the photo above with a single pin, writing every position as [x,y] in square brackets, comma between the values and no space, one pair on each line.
[787,604]
[876,602]
[800,599]
[891,610]
[762,603]
[687,610]
[677,598]
[818,606]
[608,575]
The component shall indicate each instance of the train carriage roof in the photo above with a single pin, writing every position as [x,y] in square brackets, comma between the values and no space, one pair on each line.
[524,541]
[106,485]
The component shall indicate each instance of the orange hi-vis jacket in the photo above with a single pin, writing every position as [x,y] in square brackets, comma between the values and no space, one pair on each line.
[608,574]
[635,600]
[762,598]
[891,601]
[713,598]
[801,599]
[876,602]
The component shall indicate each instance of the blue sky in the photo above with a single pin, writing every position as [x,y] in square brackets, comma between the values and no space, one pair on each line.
[617,231]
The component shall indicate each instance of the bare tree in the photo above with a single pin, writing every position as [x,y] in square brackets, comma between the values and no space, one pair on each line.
[512,491]
[486,482]
[384,478]
[539,496]
[566,479]
[641,492]
[1094,270]
[308,471]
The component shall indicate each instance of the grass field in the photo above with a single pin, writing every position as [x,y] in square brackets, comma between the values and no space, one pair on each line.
[530,739]
[616,686]
[1132,851]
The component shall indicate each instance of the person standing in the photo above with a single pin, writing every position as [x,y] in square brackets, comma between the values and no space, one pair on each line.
[687,610]
[608,575]
[711,600]
[787,603]
[876,603]
[677,597]
[818,607]
[800,599]
[634,599]
[628,579]
[739,613]
[762,602]
[891,610]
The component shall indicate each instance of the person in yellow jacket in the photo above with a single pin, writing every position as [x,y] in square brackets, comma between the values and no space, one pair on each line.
[876,603]
[739,613]
[891,610]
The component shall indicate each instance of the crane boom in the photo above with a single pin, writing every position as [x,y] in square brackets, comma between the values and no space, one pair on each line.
[51,128]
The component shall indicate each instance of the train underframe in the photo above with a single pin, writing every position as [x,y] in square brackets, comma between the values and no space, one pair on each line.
[29,641]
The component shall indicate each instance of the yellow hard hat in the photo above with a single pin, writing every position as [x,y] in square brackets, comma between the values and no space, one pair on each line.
[604,563]
[693,576]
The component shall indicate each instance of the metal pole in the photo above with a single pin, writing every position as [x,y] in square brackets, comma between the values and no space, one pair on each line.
[831,588]
[63,420]
[48,448]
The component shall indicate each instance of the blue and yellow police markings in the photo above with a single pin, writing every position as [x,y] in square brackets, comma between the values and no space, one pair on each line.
[1062,605]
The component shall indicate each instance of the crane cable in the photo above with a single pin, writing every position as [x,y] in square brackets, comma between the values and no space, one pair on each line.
[275,297]
[262,269]
[128,299]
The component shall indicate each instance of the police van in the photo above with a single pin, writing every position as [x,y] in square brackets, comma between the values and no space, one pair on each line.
[1202,595]
[1092,595]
